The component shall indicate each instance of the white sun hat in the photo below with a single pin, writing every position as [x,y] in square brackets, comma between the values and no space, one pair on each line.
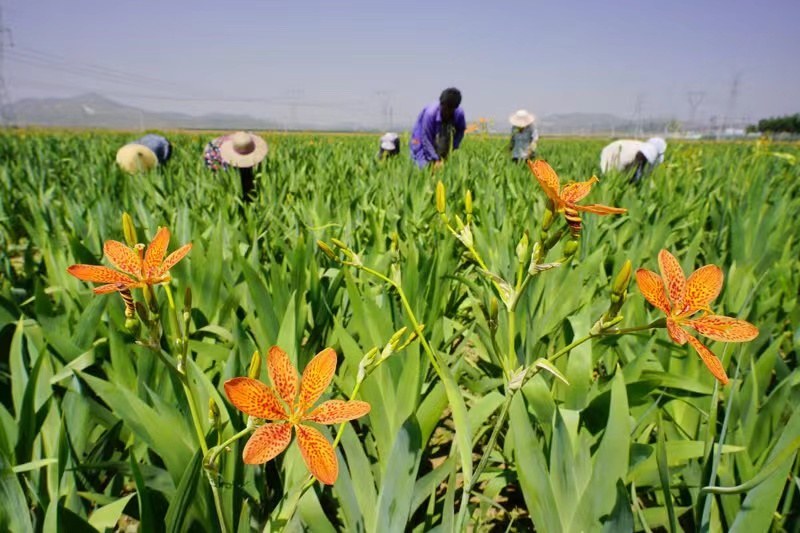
[649,151]
[388,141]
[243,149]
[521,119]
[134,158]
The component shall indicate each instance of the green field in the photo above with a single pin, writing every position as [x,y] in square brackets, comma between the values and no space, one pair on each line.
[484,416]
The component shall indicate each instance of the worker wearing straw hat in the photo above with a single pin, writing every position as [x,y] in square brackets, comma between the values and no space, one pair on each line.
[243,150]
[143,154]
[524,136]
[628,155]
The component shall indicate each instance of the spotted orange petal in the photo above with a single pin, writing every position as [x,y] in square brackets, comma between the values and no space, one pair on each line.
[674,279]
[703,287]
[111,287]
[316,377]
[676,333]
[155,252]
[337,411]
[598,209]
[173,258]
[254,398]
[123,258]
[283,374]
[575,192]
[652,287]
[547,178]
[99,274]
[711,361]
[724,328]
[318,454]
[266,442]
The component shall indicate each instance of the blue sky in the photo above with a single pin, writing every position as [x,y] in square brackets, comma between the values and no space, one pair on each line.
[329,62]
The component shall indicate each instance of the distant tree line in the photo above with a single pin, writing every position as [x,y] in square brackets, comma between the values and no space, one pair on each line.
[785,124]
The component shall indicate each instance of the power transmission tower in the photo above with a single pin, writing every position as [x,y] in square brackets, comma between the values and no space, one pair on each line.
[733,96]
[638,119]
[6,114]
[695,99]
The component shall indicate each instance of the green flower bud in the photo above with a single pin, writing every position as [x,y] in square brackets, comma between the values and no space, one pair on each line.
[620,285]
[468,202]
[441,200]
[255,366]
[522,248]
[129,230]
[326,250]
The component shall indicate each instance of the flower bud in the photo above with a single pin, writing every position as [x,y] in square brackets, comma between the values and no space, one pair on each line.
[570,248]
[522,248]
[213,412]
[620,285]
[494,310]
[468,202]
[187,300]
[547,218]
[129,230]
[132,326]
[339,244]
[441,200]
[255,366]
[141,310]
[326,250]
[395,340]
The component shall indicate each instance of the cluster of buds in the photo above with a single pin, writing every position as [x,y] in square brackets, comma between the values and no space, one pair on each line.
[350,257]
[375,357]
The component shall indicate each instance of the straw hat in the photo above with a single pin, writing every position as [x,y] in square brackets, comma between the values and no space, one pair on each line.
[243,149]
[134,158]
[521,119]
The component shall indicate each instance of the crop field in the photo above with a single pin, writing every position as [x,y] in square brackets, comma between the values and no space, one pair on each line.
[487,363]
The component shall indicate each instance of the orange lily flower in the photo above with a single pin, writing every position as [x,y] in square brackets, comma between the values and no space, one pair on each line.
[139,267]
[289,405]
[680,298]
[565,199]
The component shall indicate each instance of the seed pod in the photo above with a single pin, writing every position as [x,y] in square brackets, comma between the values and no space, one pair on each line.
[255,366]
[522,248]
[570,248]
[441,200]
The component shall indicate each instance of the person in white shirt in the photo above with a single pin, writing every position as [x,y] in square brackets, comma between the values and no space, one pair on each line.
[524,136]
[639,157]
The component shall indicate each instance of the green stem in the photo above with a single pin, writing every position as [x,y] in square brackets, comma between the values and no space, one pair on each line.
[512,353]
[498,425]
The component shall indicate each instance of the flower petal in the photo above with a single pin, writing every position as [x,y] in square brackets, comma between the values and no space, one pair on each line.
[266,442]
[702,287]
[99,274]
[711,361]
[575,192]
[318,454]
[155,252]
[283,374]
[316,377]
[111,287]
[173,258]
[123,258]
[598,209]
[337,411]
[254,398]
[676,333]
[548,179]
[652,287]
[724,328]
[674,279]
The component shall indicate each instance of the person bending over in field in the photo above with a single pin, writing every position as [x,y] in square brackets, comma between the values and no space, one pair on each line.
[524,136]
[390,146]
[636,157]
[143,154]
[439,129]
[241,150]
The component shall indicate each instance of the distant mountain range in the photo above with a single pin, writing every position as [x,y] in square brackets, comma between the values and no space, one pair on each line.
[96,111]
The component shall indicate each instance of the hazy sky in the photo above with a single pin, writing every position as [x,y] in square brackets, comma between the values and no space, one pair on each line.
[336,61]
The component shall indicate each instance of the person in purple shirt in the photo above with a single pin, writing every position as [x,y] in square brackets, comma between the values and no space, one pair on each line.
[439,128]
